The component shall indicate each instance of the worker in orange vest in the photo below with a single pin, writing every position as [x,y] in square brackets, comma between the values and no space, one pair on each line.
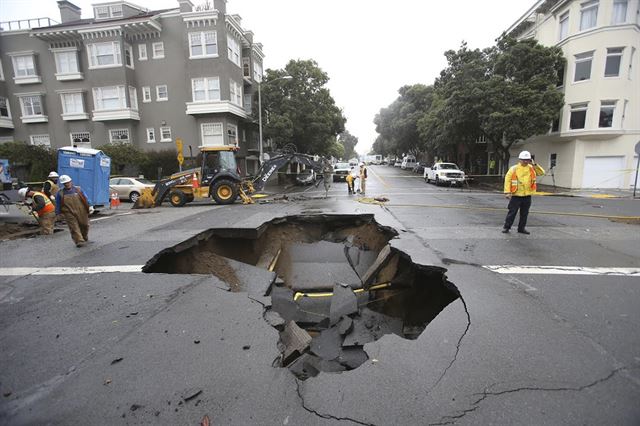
[42,206]
[519,184]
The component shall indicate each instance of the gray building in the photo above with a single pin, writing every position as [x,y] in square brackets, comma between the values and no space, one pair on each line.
[132,75]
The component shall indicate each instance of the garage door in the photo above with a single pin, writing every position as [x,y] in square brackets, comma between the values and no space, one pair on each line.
[603,172]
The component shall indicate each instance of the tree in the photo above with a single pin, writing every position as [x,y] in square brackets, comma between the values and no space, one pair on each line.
[349,143]
[31,163]
[125,158]
[300,110]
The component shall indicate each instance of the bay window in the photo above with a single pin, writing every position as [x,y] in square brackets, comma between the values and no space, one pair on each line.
[612,65]
[583,66]
[578,116]
[104,55]
[588,15]
[203,44]
[233,50]
[619,12]
[235,93]
[607,109]
[67,64]
[206,89]
[109,98]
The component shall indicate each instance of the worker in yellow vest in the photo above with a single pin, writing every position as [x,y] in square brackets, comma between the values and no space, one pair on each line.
[42,207]
[50,186]
[519,184]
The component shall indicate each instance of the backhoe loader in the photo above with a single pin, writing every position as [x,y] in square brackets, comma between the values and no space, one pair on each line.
[218,177]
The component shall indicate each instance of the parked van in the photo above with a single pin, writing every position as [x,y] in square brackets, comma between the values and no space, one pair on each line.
[408,162]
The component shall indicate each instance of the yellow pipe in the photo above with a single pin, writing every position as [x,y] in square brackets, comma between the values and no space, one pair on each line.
[298,294]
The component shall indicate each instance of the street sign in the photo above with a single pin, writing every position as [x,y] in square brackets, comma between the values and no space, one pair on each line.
[179,148]
[180,158]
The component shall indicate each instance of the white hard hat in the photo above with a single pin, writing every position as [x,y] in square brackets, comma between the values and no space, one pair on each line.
[362,164]
[525,155]
[22,192]
[53,175]
[64,179]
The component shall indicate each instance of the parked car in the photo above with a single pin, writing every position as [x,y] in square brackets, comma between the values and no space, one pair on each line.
[419,168]
[340,171]
[398,163]
[408,162]
[129,188]
[444,173]
[306,177]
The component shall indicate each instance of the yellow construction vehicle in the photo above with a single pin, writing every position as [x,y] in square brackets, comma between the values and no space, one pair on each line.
[218,177]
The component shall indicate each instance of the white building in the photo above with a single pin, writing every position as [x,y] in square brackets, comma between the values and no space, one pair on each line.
[592,145]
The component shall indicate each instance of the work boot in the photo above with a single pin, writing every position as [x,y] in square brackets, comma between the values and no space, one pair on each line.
[505,230]
[523,231]
[80,244]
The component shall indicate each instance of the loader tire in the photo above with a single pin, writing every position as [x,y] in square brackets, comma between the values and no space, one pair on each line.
[224,191]
[177,198]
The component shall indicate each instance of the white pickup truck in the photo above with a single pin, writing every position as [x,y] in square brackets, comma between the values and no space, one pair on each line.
[444,173]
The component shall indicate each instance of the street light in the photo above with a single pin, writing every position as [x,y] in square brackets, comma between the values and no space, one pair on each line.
[284,77]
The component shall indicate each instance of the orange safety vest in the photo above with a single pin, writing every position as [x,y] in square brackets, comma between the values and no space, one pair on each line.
[48,205]
[514,179]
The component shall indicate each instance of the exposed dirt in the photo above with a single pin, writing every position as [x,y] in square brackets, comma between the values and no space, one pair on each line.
[12,231]
[628,221]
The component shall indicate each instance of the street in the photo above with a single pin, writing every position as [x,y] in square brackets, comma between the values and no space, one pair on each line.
[545,330]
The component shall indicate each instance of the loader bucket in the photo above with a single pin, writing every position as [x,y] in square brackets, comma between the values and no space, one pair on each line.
[146,200]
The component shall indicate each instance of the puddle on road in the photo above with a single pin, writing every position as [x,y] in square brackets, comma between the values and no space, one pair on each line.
[328,283]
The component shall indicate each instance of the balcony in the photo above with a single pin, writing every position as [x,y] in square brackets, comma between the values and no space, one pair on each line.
[215,107]
[116,114]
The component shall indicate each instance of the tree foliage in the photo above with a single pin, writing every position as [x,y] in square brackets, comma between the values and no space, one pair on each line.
[300,110]
[504,93]
[31,163]
[349,143]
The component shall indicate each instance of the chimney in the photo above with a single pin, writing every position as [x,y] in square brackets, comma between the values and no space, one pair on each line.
[69,12]
[185,6]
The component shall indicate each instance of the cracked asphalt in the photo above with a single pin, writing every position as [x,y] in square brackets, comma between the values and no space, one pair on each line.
[134,348]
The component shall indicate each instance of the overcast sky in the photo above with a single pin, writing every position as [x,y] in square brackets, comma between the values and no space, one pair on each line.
[369,48]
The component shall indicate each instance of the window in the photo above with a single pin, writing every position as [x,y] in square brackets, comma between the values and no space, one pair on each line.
[142,52]
[24,66]
[232,134]
[4,108]
[108,98]
[257,71]
[106,12]
[564,26]
[212,134]
[72,103]
[80,137]
[162,93]
[561,72]
[588,15]
[246,67]
[151,135]
[104,54]
[165,134]
[119,135]
[158,50]
[133,98]
[42,140]
[116,11]
[619,12]
[612,66]
[128,55]
[203,44]
[235,93]
[31,105]
[583,66]
[101,12]
[248,104]
[146,94]
[578,116]
[66,61]
[205,89]
[233,50]
[1,71]
[553,160]
[607,108]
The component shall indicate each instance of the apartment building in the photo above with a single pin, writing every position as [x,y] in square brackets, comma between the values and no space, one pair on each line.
[592,143]
[132,75]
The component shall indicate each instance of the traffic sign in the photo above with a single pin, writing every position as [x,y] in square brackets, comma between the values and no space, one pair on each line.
[179,145]
[180,158]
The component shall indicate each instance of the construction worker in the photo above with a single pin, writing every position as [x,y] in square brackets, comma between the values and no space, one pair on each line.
[519,184]
[327,176]
[42,207]
[50,186]
[351,177]
[363,178]
[73,204]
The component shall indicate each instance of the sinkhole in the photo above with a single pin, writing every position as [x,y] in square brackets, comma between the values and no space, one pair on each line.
[328,283]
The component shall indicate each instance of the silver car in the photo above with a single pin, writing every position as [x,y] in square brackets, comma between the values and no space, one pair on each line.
[129,188]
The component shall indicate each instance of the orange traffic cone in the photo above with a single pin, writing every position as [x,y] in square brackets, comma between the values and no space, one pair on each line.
[194,181]
[115,200]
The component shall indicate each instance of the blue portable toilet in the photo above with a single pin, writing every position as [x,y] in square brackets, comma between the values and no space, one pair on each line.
[89,169]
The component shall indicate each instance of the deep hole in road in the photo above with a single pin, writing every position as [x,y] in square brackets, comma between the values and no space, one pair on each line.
[329,284]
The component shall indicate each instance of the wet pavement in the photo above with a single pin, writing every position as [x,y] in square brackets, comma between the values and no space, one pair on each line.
[170,348]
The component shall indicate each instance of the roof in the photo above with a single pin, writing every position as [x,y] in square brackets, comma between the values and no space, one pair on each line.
[87,21]
[86,151]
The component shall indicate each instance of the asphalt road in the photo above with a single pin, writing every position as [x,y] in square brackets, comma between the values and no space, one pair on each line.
[529,345]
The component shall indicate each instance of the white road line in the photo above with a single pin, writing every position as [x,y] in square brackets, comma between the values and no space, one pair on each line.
[15,272]
[563,270]
[109,217]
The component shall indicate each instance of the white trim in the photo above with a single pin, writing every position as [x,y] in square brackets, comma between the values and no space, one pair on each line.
[215,107]
[146,54]
[162,138]
[75,116]
[31,137]
[27,80]
[146,90]
[563,270]
[203,44]
[128,140]
[153,132]
[153,50]
[70,76]
[1,71]
[34,119]
[119,114]
[158,98]
[116,55]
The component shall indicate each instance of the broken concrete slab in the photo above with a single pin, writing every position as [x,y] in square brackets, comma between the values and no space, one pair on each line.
[361,260]
[352,356]
[274,319]
[370,327]
[345,325]
[327,344]
[305,366]
[343,303]
[381,261]
[295,341]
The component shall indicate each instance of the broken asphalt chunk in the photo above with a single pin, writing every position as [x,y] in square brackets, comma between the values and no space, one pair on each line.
[274,319]
[352,357]
[295,341]
[343,303]
[327,344]
[345,325]
[381,261]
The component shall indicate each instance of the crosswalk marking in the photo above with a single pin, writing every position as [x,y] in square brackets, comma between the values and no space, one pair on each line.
[563,270]
[13,272]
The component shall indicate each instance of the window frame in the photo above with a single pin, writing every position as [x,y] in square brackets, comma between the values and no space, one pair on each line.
[64,104]
[23,105]
[133,98]
[582,107]
[98,98]
[58,53]
[1,71]
[233,50]
[158,98]
[212,124]
[589,6]
[581,58]
[154,51]
[142,48]
[607,104]
[111,132]
[151,131]
[76,133]
[116,55]
[619,54]
[162,134]
[235,93]
[8,108]
[203,44]
[16,68]
[613,12]
[206,89]
[32,142]
[146,94]
[232,128]
[128,49]
[562,20]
